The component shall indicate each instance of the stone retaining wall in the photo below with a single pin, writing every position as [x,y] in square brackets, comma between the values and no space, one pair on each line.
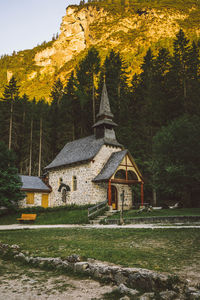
[150,220]
[131,281]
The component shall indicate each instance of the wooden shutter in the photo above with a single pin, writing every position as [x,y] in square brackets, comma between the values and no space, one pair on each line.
[30,198]
[45,200]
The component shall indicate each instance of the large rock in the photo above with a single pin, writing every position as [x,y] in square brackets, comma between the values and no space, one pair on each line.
[147,296]
[168,295]
[125,290]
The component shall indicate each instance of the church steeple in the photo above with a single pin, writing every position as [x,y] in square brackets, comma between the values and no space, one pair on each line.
[104,109]
[104,125]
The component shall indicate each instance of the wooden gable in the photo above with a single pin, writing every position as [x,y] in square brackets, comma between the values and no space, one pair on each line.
[127,171]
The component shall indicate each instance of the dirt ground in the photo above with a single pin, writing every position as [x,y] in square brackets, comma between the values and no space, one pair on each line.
[191,274]
[22,283]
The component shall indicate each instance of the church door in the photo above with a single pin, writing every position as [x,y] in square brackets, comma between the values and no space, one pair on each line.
[114,198]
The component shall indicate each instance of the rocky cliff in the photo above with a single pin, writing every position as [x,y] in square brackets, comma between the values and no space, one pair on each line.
[130,31]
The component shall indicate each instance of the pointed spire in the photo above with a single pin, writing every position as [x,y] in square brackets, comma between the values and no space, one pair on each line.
[104,109]
[104,127]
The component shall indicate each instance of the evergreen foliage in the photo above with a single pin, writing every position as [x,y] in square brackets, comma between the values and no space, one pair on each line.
[167,89]
[176,162]
[10,183]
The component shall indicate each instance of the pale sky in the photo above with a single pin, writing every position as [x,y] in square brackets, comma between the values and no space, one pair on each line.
[26,23]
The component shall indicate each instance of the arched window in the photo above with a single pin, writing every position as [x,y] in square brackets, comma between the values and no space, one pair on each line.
[62,185]
[120,174]
[132,175]
[64,195]
[74,183]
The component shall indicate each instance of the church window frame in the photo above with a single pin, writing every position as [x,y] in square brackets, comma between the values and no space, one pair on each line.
[64,195]
[74,183]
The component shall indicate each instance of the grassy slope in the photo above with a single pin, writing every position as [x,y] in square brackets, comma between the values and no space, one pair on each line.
[22,63]
[64,216]
[79,216]
[167,250]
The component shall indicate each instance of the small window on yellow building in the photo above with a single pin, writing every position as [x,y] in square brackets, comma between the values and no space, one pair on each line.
[30,198]
[74,183]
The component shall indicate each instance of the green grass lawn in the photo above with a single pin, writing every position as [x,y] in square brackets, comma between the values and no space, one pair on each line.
[159,213]
[170,250]
[62,216]
[79,215]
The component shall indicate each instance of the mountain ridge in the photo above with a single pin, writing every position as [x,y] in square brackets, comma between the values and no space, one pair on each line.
[131,30]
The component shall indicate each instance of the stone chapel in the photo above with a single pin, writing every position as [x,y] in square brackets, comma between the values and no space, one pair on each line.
[94,168]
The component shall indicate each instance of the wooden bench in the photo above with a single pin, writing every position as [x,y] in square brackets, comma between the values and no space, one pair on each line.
[27,217]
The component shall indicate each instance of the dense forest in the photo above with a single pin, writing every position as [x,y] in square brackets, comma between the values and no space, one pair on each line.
[158,114]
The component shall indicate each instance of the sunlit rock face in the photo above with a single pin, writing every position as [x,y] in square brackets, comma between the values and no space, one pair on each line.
[91,25]
[75,36]
[129,31]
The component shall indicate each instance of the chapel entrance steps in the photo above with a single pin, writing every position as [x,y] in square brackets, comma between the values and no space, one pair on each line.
[106,214]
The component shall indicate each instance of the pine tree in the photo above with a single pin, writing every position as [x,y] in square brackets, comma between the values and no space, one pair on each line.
[10,95]
[41,137]
[180,67]
[54,116]
[116,81]
[193,81]
[86,73]
[10,183]
[23,135]
[176,164]
[70,112]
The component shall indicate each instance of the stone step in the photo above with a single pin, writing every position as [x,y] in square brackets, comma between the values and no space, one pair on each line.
[110,213]
[100,218]
[94,222]
[106,214]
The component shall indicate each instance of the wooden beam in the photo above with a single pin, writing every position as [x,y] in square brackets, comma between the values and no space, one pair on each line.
[36,190]
[126,168]
[122,165]
[142,194]
[109,193]
[123,181]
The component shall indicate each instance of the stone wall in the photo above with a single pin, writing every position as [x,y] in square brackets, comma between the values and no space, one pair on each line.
[152,220]
[127,196]
[37,201]
[134,282]
[87,191]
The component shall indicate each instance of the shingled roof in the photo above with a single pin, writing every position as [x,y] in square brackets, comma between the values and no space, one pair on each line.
[33,183]
[111,166]
[80,151]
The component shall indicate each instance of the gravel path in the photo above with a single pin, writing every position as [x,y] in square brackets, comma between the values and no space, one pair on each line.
[24,283]
[133,226]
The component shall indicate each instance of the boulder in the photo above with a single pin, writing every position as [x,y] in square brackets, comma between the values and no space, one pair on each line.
[73,258]
[125,290]
[80,266]
[168,295]
[147,296]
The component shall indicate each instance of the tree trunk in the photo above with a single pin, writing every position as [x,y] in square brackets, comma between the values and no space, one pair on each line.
[93,99]
[10,126]
[154,198]
[73,131]
[186,198]
[40,149]
[23,139]
[30,153]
